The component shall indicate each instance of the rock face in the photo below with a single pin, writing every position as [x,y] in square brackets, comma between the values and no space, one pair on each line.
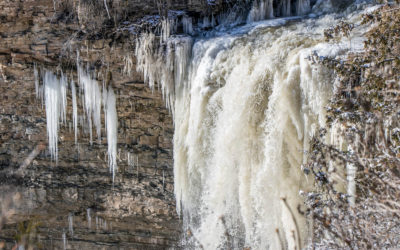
[138,210]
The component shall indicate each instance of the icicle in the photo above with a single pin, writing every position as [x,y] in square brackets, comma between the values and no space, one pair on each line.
[187,25]
[112,134]
[39,90]
[89,218]
[351,181]
[206,22]
[104,95]
[63,94]
[262,9]
[128,64]
[74,111]
[64,237]
[303,7]
[55,101]
[168,68]
[286,8]
[71,224]
[131,161]
[165,30]
[36,76]
[92,102]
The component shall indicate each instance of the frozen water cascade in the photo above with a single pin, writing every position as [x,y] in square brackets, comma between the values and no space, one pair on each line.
[244,111]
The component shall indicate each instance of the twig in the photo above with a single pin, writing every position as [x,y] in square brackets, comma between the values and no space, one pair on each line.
[295,222]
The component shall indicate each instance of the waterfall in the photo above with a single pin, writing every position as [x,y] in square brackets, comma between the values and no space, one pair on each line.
[245,109]
[240,128]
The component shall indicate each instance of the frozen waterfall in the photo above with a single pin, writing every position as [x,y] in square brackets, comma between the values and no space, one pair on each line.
[246,104]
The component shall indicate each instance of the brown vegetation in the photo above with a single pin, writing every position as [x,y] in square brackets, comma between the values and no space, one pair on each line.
[366,104]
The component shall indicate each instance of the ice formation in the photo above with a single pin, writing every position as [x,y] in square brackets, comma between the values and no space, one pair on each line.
[64,237]
[285,8]
[112,133]
[74,111]
[303,7]
[71,224]
[245,104]
[92,99]
[55,101]
[262,9]
[169,70]
[54,93]
[187,24]
[89,217]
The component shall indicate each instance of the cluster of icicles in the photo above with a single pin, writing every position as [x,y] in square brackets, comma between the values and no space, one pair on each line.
[245,105]
[264,9]
[260,10]
[53,94]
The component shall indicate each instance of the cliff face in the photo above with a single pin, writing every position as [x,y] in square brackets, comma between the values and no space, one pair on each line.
[138,210]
